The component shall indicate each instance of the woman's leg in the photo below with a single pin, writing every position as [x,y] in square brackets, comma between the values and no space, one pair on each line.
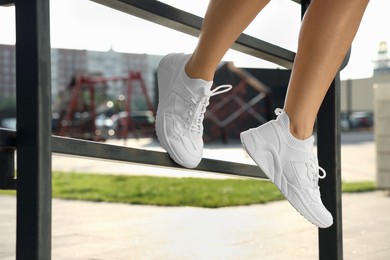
[327,31]
[224,22]
[185,81]
[283,148]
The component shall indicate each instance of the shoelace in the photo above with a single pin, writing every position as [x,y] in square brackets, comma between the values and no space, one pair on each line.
[316,172]
[278,111]
[200,106]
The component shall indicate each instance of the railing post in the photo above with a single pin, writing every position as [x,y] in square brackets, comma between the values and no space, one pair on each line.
[7,168]
[329,156]
[33,96]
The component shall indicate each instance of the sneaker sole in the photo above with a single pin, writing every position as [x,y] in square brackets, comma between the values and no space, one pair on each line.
[265,161]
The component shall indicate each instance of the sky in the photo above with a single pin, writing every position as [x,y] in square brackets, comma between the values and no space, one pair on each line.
[82,24]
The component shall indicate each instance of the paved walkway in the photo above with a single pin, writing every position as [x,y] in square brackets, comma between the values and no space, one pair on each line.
[86,230]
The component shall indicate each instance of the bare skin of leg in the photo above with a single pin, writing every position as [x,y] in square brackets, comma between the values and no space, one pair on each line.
[327,31]
[326,34]
[224,21]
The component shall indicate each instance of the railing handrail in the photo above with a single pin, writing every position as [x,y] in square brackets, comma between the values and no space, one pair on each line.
[90,149]
[188,23]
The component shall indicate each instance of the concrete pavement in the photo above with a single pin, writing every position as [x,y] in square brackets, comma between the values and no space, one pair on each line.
[87,230]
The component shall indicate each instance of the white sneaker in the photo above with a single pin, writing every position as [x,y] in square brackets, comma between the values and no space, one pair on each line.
[291,165]
[181,108]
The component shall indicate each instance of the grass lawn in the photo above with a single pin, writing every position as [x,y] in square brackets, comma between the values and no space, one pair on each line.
[163,191]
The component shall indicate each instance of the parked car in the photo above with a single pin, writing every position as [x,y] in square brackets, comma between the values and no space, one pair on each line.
[9,123]
[344,122]
[361,119]
[110,126]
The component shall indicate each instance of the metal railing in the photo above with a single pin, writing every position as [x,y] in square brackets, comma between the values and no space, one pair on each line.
[34,144]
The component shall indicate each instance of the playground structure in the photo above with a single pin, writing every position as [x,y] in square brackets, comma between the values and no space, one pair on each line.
[246,105]
[82,116]
[79,120]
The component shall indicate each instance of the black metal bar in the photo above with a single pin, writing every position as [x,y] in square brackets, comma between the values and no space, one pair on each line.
[118,153]
[7,2]
[188,23]
[33,97]
[7,138]
[7,169]
[88,149]
[329,156]
[346,59]
[7,161]
[304,6]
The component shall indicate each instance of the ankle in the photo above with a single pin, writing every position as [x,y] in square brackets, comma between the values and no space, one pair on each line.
[301,131]
[198,72]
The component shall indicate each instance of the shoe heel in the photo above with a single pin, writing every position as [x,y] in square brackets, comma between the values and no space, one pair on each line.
[165,75]
[163,79]
[260,153]
[247,141]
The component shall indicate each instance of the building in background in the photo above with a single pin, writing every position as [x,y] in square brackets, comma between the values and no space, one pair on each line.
[7,71]
[67,63]
[357,94]
[382,62]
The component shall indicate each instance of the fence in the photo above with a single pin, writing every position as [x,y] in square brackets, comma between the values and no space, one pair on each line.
[34,144]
